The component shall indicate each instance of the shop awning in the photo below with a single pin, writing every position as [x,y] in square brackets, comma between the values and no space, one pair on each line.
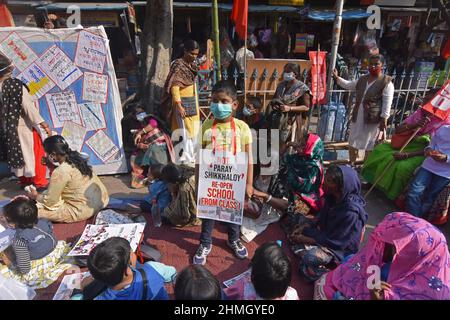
[84,6]
[330,15]
[227,7]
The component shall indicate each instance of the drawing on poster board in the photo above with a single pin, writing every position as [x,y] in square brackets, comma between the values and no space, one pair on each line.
[59,67]
[68,284]
[63,107]
[36,80]
[95,87]
[74,135]
[18,51]
[92,115]
[91,51]
[103,146]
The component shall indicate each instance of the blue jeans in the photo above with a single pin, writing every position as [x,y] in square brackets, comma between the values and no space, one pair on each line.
[208,227]
[423,190]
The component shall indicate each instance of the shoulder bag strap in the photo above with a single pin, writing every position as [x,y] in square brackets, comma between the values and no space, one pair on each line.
[144,283]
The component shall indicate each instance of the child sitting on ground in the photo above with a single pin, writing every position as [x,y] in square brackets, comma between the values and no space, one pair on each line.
[114,264]
[35,256]
[195,282]
[271,276]
[158,191]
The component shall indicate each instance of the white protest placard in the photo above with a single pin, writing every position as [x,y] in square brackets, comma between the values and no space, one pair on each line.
[63,107]
[93,235]
[36,80]
[18,51]
[103,146]
[74,135]
[59,67]
[92,115]
[222,186]
[95,87]
[91,51]
[440,104]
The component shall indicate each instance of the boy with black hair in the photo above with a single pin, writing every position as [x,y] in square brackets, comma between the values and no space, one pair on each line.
[225,133]
[159,194]
[253,114]
[114,264]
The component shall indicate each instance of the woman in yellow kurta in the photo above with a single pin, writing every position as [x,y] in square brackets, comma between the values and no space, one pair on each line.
[181,96]
[75,193]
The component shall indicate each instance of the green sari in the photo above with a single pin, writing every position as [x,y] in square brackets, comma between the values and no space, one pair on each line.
[400,173]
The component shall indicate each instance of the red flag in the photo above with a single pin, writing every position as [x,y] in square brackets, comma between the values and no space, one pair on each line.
[240,17]
[440,104]
[6,19]
[318,76]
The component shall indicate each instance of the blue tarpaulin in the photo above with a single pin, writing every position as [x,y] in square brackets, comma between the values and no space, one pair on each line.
[330,15]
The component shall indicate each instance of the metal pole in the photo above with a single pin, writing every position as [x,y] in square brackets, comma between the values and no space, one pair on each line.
[335,44]
[215,15]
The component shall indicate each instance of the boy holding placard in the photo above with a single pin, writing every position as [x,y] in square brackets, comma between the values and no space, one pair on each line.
[223,186]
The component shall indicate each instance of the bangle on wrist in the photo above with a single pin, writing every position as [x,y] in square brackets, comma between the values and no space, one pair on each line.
[268,199]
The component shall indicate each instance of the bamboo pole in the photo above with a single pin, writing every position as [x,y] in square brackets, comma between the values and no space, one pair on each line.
[215,16]
[391,163]
[335,44]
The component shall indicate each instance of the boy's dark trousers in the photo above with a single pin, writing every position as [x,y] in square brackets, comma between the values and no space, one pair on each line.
[208,227]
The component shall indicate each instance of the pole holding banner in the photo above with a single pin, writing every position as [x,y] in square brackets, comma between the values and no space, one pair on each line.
[335,44]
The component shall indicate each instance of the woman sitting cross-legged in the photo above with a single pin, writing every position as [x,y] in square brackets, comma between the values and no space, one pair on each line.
[75,193]
[406,258]
[323,242]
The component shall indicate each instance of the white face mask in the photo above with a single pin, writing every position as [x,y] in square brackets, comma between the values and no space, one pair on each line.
[288,76]
[141,116]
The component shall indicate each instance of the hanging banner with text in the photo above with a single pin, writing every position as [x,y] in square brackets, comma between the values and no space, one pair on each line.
[71,78]
[440,104]
[318,76]
[221,187]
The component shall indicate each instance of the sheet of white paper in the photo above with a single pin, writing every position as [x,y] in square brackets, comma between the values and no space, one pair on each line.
[95,87]
[96,234]
[69,283]
[91,51]
[6,236]
[74,135]
[36,80]
[92,115]
[103,146]
[59,67]
[245,275]
[63,107]
[18,51]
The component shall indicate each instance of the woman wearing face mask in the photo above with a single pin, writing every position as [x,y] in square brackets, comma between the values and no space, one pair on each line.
[292,98]
[20,142]
[181,100]
[74,193]
[374,95]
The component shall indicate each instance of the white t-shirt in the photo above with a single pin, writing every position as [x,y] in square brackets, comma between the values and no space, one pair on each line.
[240,58]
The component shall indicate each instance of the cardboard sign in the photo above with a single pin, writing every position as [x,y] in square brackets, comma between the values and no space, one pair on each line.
[440,104]
[222,185]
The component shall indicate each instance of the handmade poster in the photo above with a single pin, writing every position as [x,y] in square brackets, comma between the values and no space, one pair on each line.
[17,51]
[74,135]
[36,80]
[68,284]
[301,40]
[6,236]
[222,185]
[440,104]
[318,76]
[53,63]
[91,52]
[246,275]
[95,87]
[92,116]
[59,67]
[93,235]
[112,217]
[63,107]
[103,146]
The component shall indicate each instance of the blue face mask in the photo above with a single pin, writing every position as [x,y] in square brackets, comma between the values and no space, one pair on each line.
[247,112]
[221,110]
[288,76]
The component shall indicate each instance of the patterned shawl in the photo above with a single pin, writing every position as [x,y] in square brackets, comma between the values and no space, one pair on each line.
[10,109]
[420,269]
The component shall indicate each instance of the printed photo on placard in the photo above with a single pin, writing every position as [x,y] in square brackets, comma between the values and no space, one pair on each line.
[63,107]
[103,146]
[74,135]
[36,80]
[92,116]
[95,87]
[18,51]
[59,67]
[91,51]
